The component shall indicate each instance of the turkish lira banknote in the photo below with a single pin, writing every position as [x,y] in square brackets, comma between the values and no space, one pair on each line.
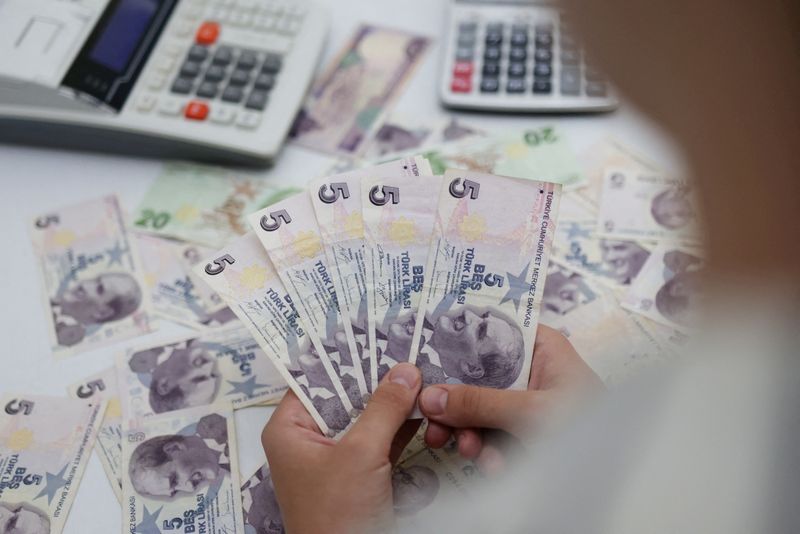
[245,278]
[647,206]
[668,290]
[564,292]
[102,386]
[92,279]
[181,473]
[398,215]
[290,234]
[605,154]
[348,100]
[221,364]
[486,268]
[399,135]
[202,204]
[337,205]
[536,154]
[262,515]
[45,443]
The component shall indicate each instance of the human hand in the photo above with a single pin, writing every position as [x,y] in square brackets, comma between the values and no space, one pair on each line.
[346,486]
[559,377]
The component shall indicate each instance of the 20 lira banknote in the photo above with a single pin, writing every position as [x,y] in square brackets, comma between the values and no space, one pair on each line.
[92,279]
[486,267]
[243,275]
[203,204]
[45,443]
[102,386]
[338,208]
[181,473]
[222,364]
[398,214]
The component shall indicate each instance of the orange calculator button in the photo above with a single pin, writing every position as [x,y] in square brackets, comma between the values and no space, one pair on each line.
[207,33]
[197,111]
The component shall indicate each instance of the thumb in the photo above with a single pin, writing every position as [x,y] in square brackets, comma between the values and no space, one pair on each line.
[460,406]
[389,407]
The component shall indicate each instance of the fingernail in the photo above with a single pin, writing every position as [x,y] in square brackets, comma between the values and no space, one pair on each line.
[404,374]
[434,400]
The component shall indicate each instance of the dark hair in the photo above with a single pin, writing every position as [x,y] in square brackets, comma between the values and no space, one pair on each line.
[151,454]
[669,305]
[501,369]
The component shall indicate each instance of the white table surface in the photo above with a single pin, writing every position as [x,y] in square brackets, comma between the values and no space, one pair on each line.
[35,180]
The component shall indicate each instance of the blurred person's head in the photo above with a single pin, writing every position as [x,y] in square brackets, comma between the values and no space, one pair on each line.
[23,518]
[413,489]
[622,259]
[164,466]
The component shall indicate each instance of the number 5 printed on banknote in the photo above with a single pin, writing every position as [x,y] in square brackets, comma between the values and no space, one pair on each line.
[103,386]
[243,275]
[182,473]
[337,203]
[398,222]
[92,279]
[486,269]
[289,232]
[45,443]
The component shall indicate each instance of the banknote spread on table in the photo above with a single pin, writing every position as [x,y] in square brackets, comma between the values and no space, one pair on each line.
[429,241]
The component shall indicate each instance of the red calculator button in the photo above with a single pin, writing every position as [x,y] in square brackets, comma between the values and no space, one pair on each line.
[462,68]
[461,85]
[197,111]
[207,33]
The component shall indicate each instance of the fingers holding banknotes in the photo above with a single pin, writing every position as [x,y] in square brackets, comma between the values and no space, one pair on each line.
[559,377]
[349,482]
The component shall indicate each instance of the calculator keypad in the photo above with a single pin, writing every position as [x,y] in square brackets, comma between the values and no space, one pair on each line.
[526,56]
[212,79]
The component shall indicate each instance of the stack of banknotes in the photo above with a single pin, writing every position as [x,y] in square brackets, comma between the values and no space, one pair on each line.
[448,260]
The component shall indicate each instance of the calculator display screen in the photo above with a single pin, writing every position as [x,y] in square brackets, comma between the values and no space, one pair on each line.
[123,32]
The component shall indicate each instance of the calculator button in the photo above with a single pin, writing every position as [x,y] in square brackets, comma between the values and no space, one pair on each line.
[490,85]
[568,42]
[249,120]
[593,75]
[223,55]
[519,28]
[145,103]
[265,81]
[542,86]
[183,30]
[198,53]
[156,82]
[462,68]
[595,88]
[208,90]
[170,106]
[240,77]
[207,33]
[519,38]
[516,70]
[542,70]
[544,27]
[491,53]
[272,64]
[190,69]
[247,60]
[182,86]
[242,19]
[466,41]
[543,55]
[467,27]
[570,57]
[515,85]
[494,27]
[257,100]
[517,54]
[197,111]
[494,38]
[214,73]
[465,54]
[544,40]
[165,64]
[461,85]
[491,68]
[570,81]
[233,94]
[173,50]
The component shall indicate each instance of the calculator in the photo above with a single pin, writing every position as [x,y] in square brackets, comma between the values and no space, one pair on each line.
[209,80]
[518,56]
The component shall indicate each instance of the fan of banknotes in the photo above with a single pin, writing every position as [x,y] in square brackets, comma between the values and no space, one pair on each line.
[437,260]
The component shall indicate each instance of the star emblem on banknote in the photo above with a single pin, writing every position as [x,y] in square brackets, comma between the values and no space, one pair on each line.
[148,524]
[248,387]
[517,286]
[115,254]
[53,483]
